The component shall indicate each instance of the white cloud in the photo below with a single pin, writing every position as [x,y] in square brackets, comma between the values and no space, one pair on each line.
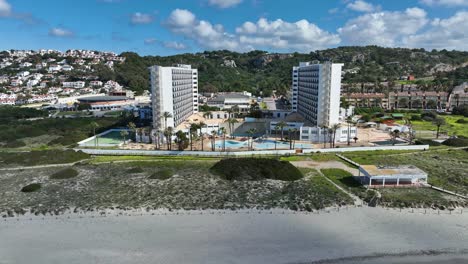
[447,33]
[301,35]
[5,8]
[208,36]
[383,28]
[61,32]
[140,18]
[150,41]
[333,11]
[448,3]
[362,6]
[175,45]
[224,3]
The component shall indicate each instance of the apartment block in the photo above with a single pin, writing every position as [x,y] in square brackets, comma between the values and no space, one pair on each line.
[174,90]
[316,92]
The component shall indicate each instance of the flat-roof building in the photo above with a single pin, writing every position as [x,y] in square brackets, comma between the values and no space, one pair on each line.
[381,176]
[106,103]
[316,92]
[174,90]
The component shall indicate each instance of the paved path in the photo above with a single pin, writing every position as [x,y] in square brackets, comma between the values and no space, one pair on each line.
[324,165]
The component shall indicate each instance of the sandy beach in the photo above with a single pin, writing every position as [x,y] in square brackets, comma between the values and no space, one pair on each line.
[356,235]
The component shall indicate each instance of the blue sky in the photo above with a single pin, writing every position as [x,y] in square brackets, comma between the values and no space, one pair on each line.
[157,27]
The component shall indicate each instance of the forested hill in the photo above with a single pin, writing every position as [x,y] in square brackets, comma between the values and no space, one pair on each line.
[261,71]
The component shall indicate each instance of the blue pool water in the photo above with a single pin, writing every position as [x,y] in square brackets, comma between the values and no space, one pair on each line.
[263,144]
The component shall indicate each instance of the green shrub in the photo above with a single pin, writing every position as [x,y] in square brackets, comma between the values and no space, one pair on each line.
[33,158]
[461,121]
[456,142]
[67,173]
[253,169]
[416,117]
[135,170]
[31,187]
[429,142]
[162,174]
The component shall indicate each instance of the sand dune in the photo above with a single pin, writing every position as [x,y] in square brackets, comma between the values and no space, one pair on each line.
[236,238]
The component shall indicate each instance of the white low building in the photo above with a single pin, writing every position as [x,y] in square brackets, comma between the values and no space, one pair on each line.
[381,176]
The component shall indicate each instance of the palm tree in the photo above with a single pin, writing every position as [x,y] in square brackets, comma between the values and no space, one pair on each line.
[251,132]
[438,122]
[235,109]
[325,131]
[94,126]
[213,140]
[290,138]
[281,125]
[207,114]
[394,135]
[330,136]
[349,121]
[223,132]
[181,140]
[168,134]
[335,127]
[193,129]
[124,134]
[132,128]
[201,125]
[294,131]
[139,133]
[231,122]
[166,115]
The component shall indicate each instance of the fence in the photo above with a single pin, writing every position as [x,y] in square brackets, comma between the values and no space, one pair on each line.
[125,152]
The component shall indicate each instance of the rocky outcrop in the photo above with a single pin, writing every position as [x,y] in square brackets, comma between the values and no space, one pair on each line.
[265,59]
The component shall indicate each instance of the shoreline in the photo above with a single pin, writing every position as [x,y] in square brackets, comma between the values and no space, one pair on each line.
[101,213]
[356,235]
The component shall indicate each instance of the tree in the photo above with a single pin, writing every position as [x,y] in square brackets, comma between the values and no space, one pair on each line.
[231,122]
[166,115]
[168,134]
[213,140]
[349,121]
[94,126]
[223,132]
[431,104]
[193,129]
[335,127]
[235,109]
[181,140]
[330,136]
[202,125]
[438,122]
[324,132]
[394,135]
[251,132]
[124,134]
[132,128]
[281,126]
[403,103]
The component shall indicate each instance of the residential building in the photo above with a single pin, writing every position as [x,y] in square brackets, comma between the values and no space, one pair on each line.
[95,83]
[106,103]
[367,100]
[76,85]
[415,100]
[228,100]
[316,92]
[174,90]
[379,176]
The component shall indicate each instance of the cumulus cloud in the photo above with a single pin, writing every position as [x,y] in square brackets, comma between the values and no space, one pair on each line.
[174,45]
[224,3]
[447,33]
[60,32]
[140,18]
[207,35]
[5,8]
[301,35]
[383,28]
[448,3]
[362,6]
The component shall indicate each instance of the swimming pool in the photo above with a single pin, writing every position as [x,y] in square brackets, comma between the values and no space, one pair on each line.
[261,144]
[109,138]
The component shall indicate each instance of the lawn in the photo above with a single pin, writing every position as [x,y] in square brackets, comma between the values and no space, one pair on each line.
[33,158]
[451,127]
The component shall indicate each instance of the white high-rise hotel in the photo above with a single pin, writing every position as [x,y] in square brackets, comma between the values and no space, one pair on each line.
[316,92]
[174,90]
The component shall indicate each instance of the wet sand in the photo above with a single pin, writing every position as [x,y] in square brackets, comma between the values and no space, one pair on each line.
[357,235]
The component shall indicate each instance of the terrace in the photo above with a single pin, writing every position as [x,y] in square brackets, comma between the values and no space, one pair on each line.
[381,176]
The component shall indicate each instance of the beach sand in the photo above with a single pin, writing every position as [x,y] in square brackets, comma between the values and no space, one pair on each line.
[356,234]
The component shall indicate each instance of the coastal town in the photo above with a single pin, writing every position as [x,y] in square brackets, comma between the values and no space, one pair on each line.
[234,131]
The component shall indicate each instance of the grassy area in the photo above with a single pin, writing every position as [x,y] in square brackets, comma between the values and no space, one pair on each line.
[451,127]
[103,159]
[170,184]
[394,197]
[256,169]
[447,168]
[51,131]
[33,158]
